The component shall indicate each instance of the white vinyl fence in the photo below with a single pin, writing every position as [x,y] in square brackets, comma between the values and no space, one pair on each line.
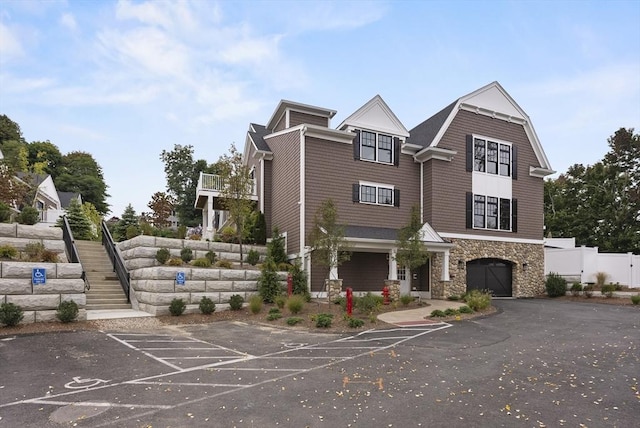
[582,264]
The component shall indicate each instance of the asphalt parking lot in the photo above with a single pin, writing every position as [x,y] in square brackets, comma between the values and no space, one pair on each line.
[536,363]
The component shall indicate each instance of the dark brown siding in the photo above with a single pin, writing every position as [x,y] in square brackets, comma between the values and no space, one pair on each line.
[285,186]
[268,188]
[448,182]
[296,118]
[282,122]
[364,272]
[330,173]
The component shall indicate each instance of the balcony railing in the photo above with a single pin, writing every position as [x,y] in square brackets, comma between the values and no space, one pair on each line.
[215,183]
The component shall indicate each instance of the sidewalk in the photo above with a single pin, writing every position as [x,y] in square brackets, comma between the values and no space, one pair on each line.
[420,316]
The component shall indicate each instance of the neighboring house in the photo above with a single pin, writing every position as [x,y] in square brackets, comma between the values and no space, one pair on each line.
[475,169]
[47,199]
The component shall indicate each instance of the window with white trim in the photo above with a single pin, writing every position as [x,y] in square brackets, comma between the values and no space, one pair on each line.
[492,157]
[376,147]
[495,213]
[402,273]
[377,194]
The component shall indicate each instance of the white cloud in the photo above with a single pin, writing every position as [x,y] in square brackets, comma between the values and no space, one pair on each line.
[9,44]
[67,20]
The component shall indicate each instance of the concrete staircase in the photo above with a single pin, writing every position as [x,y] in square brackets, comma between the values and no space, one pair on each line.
[106,291]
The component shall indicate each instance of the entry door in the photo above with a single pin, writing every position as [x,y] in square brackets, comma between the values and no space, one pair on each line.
[421,281]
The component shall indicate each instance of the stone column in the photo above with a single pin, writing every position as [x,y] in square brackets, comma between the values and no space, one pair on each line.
[333,287]
[394,289]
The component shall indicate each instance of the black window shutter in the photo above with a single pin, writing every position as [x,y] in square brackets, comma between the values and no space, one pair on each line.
[396,151]
[469,210]
[396,197]
[356,145]
[469,153]
[356,192]
[514,162]
[514,215]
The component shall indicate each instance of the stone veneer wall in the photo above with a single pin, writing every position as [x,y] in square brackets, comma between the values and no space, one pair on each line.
[153,286]
[527,283]
[64,280]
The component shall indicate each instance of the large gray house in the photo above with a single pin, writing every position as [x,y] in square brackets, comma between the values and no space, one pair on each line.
[475,169]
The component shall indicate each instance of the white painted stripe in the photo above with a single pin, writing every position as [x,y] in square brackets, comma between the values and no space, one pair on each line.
[100,404]
[153,357]
[230,385]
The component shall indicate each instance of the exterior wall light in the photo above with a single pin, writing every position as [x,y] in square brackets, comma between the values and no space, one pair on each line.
[525,266]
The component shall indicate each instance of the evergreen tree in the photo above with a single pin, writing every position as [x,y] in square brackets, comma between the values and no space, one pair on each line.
[129,220]
[79,223]
[275,248]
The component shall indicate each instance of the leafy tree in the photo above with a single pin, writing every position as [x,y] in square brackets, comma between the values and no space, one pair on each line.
[259,232]
[95,218]
[129,218]
[599,204]
[411,252]
[78,221]
[15,156]
[80,173]
[9,131]
[12,191]
[161,204]
[236,191]
[44,157]
[328,245]
[182,179]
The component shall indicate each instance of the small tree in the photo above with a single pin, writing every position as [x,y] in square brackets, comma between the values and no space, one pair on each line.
[236,191]
[328,246]
[411,252]
[268,284]
[161,204]
[129,218]
[78,222]
[275,247]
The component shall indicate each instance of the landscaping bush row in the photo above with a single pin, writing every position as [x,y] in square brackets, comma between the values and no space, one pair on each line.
[11,314]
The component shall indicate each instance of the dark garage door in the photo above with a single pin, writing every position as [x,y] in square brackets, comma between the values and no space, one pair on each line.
[490,274]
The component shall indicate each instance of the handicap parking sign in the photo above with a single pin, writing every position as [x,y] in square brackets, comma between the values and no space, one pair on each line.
[180,278]
[38,276]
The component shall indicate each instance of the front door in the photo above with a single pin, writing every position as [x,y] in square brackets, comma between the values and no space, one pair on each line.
[421,281]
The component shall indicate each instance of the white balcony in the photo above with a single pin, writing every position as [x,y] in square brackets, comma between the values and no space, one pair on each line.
[211,186]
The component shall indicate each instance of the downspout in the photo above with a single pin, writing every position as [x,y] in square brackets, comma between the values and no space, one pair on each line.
[262,183]
[422,192]
[301,202]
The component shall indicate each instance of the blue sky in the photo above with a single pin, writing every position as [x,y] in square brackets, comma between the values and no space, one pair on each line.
[124,80]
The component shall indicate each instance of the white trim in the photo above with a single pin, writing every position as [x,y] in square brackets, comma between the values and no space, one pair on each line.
[261,163]
[355,119]
[435,153]
[377,186]
[539,172]
[499,142]
[318,132]
[301,202]
[377,146]
[491,238]
[421,192]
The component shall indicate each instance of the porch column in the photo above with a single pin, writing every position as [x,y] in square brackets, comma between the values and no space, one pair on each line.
[393,264]
[445,266]
[333,271]
[209,218]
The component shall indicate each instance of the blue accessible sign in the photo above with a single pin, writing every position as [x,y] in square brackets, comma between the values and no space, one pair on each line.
[180,278]
[38,276]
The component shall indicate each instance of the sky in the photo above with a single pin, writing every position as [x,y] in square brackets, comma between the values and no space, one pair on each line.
[125,80]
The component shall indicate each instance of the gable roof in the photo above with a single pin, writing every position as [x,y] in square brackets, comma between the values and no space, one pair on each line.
[490,100]
[256,133]
[285,105]
[375,115]
[66,197]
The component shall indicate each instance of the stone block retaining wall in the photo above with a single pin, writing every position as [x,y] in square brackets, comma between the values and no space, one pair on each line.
[19,235]
[154,286]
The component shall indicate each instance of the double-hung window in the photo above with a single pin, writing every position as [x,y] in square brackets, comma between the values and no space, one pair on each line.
[490,212]
[493,157]
[378,194]
[375,147]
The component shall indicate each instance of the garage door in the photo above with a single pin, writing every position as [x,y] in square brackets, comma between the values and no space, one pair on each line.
[490,274]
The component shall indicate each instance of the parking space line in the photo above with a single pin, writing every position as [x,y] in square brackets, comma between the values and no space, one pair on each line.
[148,354]
[100,404]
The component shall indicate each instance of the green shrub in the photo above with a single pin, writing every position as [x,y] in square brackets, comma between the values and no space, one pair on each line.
[299,281]
[587,291]
[228,235]
[340,300]
[355,322]
[255,304]
[274,310]
[34,251]
[601,278]
[274,316]
[8,252]
[49,256]
[275,248]
[269,285]
[29,216]
[368,303]
[235,302]
[67,311]
[295,303]
[635,299]
[618,286]
[182,232]
[451,312]
[437,313]
[284,267]
[556,285]
[202,262]
[576,288]
[174,261]
[478,300]
[132,231]
[5,212]
[224,264]
[162,255]
[406,299]
[465,310]
[10,314]
[177,307]
[207,306]
[294,320]
[253,257]
[324,320]
[186,254]
[453,298]
[211,256]
[607,290]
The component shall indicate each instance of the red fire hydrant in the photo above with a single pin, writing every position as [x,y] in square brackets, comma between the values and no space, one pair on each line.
[289,285]
[385,294]
[349,301]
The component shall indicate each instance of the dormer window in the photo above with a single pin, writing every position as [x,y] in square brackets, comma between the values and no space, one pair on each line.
[492,157]
[376,147]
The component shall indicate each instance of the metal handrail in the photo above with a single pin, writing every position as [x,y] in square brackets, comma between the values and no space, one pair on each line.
[72,250]
[117,262]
